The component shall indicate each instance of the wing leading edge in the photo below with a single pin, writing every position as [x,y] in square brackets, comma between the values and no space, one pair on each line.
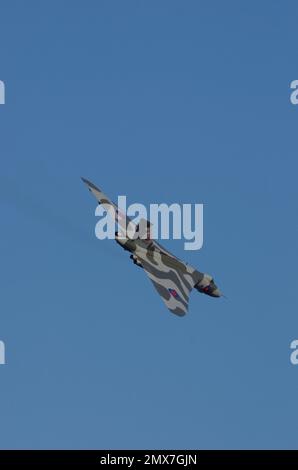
[120,218]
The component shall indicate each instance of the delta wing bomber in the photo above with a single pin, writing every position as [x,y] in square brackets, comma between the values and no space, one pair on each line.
[172,278]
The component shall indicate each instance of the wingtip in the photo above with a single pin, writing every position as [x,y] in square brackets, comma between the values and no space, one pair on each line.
[89,184]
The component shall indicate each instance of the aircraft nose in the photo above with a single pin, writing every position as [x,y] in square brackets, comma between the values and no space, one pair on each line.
[216,293]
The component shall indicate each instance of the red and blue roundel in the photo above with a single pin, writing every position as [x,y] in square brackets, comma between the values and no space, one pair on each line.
[174,293]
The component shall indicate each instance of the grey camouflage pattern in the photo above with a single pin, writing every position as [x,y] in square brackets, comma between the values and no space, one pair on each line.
[172,278]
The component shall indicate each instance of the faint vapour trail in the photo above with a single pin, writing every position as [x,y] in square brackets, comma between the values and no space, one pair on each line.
[35,206]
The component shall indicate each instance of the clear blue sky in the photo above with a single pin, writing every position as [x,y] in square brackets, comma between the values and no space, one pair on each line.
[165,101]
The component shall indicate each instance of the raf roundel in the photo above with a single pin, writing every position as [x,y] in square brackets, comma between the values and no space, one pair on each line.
[174,293]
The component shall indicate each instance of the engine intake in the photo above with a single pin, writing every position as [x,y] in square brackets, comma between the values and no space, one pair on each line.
[136,261]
